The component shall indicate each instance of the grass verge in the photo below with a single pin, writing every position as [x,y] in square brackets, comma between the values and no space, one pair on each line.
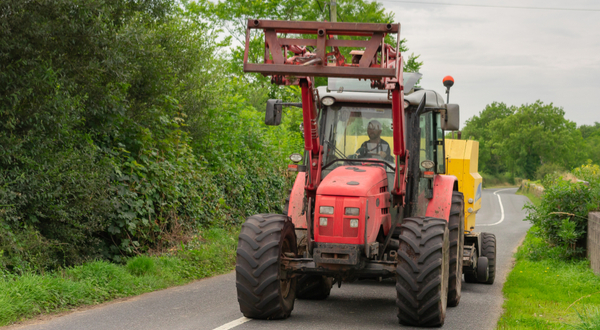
[549,293]
[210,253]
[533,198]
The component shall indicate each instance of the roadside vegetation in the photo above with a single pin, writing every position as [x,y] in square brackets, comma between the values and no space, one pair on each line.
[552,285]
[208,253]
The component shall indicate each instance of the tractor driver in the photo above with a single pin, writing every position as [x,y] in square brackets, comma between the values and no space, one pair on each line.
[376,146]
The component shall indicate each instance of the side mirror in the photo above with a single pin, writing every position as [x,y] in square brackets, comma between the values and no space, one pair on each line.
[273,114]
[451,119]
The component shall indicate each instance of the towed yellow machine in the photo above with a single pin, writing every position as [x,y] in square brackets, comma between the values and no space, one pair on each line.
[462,160]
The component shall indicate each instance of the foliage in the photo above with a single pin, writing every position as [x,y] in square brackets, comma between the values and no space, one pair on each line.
[549,293]
[502,179]
[521,139]
[546,169]
[588,172]
[561,218]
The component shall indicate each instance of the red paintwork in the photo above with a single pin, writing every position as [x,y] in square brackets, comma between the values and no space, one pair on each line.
[334,191]
[311,136]
[369,181]
[296,202]
[439,205]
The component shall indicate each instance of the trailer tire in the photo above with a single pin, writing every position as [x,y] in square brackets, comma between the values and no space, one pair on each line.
[488,249]
[313,287]
[456,224]
[422,271]
[261,292]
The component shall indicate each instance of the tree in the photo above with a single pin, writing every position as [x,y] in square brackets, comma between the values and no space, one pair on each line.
[520,139]
[478,128]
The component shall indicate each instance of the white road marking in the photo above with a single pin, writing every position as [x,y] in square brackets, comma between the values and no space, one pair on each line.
[233,323]
[501,210]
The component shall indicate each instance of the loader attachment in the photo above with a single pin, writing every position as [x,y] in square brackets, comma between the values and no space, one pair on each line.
[288,59]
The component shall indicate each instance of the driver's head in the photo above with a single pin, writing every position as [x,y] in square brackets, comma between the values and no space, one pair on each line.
[374,129]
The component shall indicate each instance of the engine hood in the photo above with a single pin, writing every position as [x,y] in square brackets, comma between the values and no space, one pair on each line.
[353,181]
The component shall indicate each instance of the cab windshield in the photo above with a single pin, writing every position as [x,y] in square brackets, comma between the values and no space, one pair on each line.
[358,132]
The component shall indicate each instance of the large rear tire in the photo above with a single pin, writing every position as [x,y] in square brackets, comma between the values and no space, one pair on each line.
[422,272]
[488,249]
[456,225]
[313,287]
[263,291]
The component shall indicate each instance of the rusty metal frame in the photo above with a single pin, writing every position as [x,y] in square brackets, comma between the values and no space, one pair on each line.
[276,63]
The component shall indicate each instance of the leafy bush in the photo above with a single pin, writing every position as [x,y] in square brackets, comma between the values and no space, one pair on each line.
[562,217]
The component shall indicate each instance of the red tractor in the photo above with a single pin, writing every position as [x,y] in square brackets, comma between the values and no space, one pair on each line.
[370,200]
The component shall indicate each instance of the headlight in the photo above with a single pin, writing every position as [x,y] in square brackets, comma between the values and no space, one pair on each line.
[328,100]
[323,222]
[352,211]
[427,164]
[406,104]
[296,158]
[353,223]
[326,209]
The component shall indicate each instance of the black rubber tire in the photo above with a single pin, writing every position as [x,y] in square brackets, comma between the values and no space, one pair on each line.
[313,287]
[456,225]
[264,239]
[488,249]
[422,272]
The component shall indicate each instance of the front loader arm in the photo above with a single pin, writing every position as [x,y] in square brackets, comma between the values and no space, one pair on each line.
[311,135]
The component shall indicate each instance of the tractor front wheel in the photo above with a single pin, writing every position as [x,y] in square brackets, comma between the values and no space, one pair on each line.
[422,271]
[264,290]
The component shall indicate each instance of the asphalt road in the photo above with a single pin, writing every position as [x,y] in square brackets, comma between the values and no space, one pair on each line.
[212,303]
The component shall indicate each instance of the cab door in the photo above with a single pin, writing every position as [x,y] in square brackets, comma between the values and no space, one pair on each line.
[430,157]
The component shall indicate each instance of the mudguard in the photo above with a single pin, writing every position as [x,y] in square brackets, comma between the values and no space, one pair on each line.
[439,205]
[296,202]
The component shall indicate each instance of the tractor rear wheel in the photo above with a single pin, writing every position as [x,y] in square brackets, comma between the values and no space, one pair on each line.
[488,249]
[313,287]
[263,290]
[422,271]
[456,225]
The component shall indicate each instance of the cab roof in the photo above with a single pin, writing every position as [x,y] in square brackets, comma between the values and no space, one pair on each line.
[360,91]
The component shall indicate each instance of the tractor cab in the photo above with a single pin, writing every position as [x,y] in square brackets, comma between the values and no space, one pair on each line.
[356,123]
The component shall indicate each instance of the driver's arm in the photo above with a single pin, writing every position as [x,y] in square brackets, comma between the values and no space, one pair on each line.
[362,150]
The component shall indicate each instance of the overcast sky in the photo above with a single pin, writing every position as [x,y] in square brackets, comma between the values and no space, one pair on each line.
[514,56]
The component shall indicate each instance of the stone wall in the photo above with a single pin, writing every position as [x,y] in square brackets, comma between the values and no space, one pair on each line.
[593,241]
[532,188]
